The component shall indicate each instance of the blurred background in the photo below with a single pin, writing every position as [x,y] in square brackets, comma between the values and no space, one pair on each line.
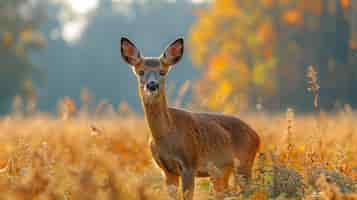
[241,55]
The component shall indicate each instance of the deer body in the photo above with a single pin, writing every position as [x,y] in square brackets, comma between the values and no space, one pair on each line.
[186,144]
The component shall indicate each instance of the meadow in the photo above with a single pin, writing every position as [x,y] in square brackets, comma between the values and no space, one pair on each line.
[107,156]
[241,57]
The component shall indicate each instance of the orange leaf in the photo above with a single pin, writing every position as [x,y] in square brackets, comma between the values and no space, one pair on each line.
[292,16]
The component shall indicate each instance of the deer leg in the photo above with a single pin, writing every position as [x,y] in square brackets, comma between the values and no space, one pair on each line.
[172,184]
[243,174]
[188,184]
[220,182]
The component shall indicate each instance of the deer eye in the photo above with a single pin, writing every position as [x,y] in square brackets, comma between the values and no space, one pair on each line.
[162,73]
[141,73]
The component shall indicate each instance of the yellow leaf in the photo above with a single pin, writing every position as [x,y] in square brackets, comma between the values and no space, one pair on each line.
[7,39]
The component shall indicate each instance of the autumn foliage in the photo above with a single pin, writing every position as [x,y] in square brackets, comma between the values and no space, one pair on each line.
[254,52]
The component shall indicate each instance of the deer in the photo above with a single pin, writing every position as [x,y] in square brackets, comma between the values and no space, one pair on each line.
[186,144]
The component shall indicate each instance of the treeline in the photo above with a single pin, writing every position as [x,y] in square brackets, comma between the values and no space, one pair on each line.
[93,62]
[19,24]
[247,53]
[258,52]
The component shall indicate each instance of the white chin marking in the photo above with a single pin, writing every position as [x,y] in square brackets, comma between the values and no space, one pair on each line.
[150,95]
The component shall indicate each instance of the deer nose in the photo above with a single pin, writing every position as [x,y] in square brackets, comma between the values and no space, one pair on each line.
[152,86]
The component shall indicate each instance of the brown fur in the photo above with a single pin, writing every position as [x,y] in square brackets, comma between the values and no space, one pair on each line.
[185,142]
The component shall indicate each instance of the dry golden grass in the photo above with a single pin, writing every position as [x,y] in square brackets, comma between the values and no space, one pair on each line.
[48,158]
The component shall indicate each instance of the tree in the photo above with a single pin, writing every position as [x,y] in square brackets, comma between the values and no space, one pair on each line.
[258,51]
[19,22]
[233,41]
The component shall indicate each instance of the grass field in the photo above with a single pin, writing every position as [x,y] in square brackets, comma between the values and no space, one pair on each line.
[43,157]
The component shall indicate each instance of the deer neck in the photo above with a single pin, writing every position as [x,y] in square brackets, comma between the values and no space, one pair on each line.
[157,115]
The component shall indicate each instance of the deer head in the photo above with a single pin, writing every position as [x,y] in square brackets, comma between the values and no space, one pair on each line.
[151,71]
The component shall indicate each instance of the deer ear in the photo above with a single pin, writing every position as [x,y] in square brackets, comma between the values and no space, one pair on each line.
[129,52]
[173,53]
